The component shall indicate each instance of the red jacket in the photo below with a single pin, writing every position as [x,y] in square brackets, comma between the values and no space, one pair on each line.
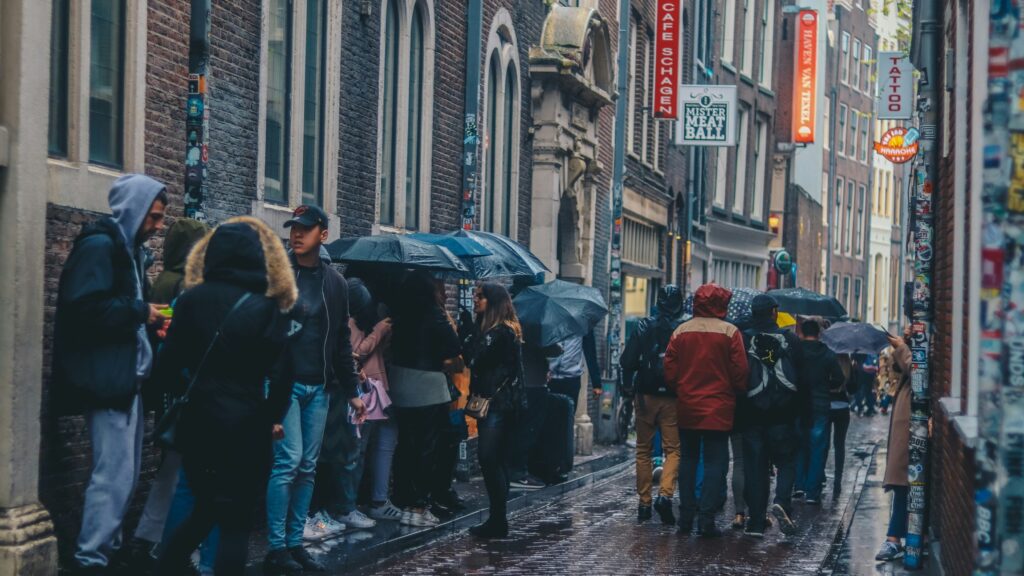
[707,364]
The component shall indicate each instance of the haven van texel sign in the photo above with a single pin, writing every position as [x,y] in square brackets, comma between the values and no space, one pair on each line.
[707,116]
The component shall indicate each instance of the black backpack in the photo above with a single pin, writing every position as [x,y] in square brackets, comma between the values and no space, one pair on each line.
[772,383]
[658,334]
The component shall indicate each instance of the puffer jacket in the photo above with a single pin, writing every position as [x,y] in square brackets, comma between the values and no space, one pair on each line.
[706,363]
[181,236]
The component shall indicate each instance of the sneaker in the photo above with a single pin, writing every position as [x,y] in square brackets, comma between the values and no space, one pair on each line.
[786,523]
[317,529]
[738,522]
[663,506]
[333,526]
[643,513]
[710,531]
[799,495]
[280,562]
[813,501]
[450,501]
[304,559]
[386,512]
[527,483]
[754,532]
[889,551]
[357,520]
[422,519]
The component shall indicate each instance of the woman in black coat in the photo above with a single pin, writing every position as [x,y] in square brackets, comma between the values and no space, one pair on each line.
[494,355]
[237,280]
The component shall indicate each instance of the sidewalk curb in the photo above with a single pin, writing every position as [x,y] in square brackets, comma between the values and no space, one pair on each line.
[526,502]
[827,566]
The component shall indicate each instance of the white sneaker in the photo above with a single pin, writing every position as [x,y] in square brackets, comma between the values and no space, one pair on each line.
[386,512]
[357,520]
[430,518]
[406,518]
[333,526]
[419,519]
[314,530]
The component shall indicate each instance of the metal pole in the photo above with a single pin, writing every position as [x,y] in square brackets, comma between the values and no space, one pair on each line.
[929,30]
[833,113]
[618,173]
[197,116]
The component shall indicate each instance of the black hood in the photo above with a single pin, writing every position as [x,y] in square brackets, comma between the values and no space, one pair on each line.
[235,256]
[814,349]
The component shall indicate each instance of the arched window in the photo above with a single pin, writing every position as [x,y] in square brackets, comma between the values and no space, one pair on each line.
[501,115]
[407,45]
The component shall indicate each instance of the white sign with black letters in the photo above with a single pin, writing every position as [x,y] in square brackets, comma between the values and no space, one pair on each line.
[707,116]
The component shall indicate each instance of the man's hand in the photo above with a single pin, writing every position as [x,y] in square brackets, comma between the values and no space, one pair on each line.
[359,407]
[277,432]
[155,317]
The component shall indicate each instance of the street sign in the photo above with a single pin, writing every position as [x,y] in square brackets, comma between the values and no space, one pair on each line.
[899,145]
[896,83]
[666,69]
[783,262]
[708,116]
[805,81]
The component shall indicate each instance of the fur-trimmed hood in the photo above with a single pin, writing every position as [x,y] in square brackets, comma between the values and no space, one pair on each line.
[280,282]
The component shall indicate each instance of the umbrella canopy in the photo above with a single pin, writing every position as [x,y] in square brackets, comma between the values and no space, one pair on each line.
[508,259]
[739,311]
[396,249]
[552,312]
[462,247]
[806,303]
[785,320]
[855,338]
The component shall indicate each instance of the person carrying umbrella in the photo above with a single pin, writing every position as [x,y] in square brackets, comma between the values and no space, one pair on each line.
[643,376]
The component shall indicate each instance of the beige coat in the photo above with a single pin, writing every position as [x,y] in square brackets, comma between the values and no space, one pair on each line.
[898,459]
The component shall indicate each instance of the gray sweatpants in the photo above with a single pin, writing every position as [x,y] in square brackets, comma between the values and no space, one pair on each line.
[158,503]
[116,459]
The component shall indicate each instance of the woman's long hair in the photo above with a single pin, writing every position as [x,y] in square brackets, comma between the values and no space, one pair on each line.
[499,310]
[419,296]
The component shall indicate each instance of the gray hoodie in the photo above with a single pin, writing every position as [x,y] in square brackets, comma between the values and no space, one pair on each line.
[130,198]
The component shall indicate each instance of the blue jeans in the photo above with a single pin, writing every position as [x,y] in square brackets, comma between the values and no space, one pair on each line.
[898,517]
[810,468]
[181,508]
[290,489]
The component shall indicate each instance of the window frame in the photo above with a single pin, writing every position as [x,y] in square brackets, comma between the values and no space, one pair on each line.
[844,58]
[739,199]
[729,32]
[274,211]
[503,50]
[855,55]
[837,236]
[760,170]
[747,50]
[765,75]
[852,126]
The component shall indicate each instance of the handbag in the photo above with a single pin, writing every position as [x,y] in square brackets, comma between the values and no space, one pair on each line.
[166,430]
[478,406]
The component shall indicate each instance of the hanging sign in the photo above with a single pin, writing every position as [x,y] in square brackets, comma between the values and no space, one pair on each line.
[896,83]
[805,80]
[899,145]
[708,116]
[666,70]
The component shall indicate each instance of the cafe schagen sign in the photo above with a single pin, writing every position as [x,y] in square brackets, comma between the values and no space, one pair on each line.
[707,116]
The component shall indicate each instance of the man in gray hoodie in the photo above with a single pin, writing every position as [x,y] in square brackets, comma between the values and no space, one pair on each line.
[103,354]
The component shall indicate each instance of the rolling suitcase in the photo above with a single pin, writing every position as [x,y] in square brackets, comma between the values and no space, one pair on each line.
[553,454]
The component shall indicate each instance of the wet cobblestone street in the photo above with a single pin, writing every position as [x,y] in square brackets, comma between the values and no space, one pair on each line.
[594,532]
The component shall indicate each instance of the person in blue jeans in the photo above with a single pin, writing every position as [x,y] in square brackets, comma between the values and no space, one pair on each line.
[819,374]
[320,357]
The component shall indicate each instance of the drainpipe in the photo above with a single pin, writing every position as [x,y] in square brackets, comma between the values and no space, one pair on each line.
[197,116]
[927,42]
[833,109]
[618,173]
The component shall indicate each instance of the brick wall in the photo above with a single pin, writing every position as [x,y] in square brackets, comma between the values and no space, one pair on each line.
[951,507]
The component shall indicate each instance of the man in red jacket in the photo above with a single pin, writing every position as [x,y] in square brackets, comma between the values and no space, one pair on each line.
[707,365]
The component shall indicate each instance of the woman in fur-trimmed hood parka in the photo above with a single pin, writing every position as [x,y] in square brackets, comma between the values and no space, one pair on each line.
[238,280]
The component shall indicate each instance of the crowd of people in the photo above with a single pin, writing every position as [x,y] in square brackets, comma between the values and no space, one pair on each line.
[276,379]
[778,399]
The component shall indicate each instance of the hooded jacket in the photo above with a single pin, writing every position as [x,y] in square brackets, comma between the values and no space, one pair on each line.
[102,350]
[822,376]
[179,240]
[794,353]
[644,354]
[706,363]
[229,415]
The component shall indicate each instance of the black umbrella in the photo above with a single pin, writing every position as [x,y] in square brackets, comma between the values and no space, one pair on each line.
[396,249]
[508,258]
[806,303]
[552,312]
[855,338]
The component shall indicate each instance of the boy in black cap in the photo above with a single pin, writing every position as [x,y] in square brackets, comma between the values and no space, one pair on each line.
[324,369]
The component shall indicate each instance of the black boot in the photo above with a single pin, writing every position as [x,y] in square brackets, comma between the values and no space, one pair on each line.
[280,562]
[490,529]
[664,507]
[308,563]
[643,513]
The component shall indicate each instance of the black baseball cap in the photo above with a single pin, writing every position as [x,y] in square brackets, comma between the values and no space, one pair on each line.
[308,215]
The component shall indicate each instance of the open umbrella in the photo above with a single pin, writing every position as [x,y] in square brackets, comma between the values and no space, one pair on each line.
[855,338]
[396,249]
[785,320]
[461,246]
[508,258]
[739,311]
[806,303]
[552,312]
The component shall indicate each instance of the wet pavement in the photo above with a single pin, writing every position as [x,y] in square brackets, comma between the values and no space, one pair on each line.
[594,531]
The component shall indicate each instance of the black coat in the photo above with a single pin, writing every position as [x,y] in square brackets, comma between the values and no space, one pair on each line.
[98,317]
[747,414]
[822,376]
[495,359]
[424,341]
[643,356]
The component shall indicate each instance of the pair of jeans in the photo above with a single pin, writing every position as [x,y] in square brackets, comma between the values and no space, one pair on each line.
[656,413]
[898,516]
[116,437]
[339,469]
[764,445]
[810,474]
[220,502]
[527,432]
[568,386]
[493,440]
[379,458]
[838,424]
[290,489]
[182,504]
[715,446]
[419,472]
[738,473]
